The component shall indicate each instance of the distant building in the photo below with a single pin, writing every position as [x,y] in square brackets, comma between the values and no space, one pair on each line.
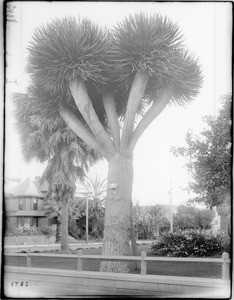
[24,204]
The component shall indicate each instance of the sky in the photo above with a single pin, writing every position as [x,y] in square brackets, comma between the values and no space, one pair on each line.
[206,27]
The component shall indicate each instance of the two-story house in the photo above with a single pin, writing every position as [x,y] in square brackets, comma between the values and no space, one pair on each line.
[25,204]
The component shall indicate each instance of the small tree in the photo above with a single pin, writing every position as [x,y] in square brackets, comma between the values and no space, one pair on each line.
[61,175]
[95,190]
[204,218]
[149,221]
[190,217]
[209,158]
[93,77]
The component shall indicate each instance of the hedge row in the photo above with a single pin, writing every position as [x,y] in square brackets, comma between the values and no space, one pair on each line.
[190,243]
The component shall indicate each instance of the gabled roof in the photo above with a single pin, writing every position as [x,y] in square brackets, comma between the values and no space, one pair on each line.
[26,188]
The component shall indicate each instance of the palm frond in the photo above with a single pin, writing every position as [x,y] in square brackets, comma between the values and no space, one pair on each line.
[94,189]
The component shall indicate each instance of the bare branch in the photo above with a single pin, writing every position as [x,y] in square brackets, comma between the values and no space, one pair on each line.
[109,104]
[150,115]
[136,93]
[80,130]
[79,93]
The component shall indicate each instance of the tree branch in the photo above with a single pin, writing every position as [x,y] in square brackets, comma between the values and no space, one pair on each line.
[79,93]
[109,104]
[150,115]
[80,130]
[136,93]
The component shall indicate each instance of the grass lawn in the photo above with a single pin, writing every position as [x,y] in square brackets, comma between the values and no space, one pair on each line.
[196,269]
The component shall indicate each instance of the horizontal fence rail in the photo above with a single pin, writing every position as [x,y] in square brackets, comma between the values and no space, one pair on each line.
[225,260]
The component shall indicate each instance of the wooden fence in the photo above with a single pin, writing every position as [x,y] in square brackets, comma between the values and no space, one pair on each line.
[225,260]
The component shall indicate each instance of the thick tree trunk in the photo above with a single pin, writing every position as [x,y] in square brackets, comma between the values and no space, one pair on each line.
[64,236]
[117,231]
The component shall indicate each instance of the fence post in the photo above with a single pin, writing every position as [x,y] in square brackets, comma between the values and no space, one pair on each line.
[79,261]
[28,258]
[143,263]
[225,266]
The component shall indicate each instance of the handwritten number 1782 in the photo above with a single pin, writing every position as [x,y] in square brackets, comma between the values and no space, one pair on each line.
[18,283]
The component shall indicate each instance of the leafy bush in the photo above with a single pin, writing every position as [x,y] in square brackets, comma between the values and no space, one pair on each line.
[225,241]
[71,239]
[190,243]
[75,231]
[12,230]
[28,231]
[46,230]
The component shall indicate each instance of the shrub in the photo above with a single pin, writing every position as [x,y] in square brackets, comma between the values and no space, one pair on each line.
[71,239]
[27,231]
[225,242]
[186,243]
[74,230]
[11,230]
[46,230]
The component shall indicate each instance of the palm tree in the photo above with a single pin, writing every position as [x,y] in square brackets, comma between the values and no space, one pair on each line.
[93,77]
[51,140]
[61,174]
[94,191]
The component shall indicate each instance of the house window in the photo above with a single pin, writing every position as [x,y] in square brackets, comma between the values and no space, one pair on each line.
[20,221]
[35,222]
[35,204]
[27,222]
[21,206]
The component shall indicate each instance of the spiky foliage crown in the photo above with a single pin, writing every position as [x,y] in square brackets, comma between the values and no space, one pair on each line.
[154,45]
[65,49]
[183,76]
[139,43]
[70,48]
